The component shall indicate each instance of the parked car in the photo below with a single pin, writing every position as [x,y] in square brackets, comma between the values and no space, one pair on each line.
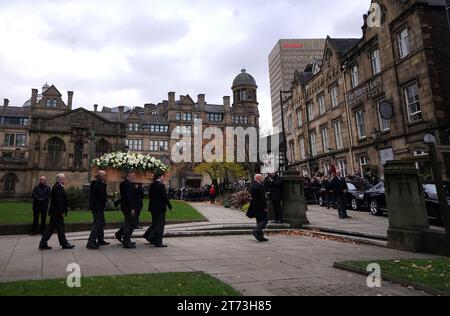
[355,194]
[432,202]
[375,200]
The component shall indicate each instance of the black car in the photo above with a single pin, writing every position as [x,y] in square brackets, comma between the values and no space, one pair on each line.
[432,202]
[375,200]
[355,194]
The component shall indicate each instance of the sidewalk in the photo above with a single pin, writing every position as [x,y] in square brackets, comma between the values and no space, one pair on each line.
[361,222]
[283,266]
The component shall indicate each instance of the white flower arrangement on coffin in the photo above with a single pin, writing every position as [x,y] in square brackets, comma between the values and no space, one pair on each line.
[130,161]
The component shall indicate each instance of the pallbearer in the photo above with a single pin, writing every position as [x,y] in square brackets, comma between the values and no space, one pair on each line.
[59,207]
[97,205]
[159,202]
[128,206]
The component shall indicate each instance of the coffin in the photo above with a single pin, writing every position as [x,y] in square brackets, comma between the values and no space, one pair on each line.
[118,175]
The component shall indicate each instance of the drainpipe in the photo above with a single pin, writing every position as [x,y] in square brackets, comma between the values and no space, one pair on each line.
[349,124]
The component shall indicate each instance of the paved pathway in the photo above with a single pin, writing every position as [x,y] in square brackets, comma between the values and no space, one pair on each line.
[219,214]
[361,222]
[284,266]
[218,218]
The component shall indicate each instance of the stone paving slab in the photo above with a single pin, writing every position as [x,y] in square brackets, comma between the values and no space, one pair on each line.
[362,222]
[283,266]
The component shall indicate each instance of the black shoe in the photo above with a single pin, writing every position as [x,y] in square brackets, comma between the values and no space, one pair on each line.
[347,217]
[139,227]
[264,239]
[92,247]
[68,246]
[130,246]
[104,243]
[45,247]
[160,246]
[119,238]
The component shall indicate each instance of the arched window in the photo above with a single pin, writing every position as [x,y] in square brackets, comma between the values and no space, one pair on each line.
[55,151]
[102,147]
[9,183]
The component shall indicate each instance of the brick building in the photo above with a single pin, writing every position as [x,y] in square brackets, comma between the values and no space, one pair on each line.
[374,99]
[46,136]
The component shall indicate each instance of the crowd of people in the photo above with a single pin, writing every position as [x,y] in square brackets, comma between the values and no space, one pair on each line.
[207,192]
[335,187]
[131,203]
[54,202]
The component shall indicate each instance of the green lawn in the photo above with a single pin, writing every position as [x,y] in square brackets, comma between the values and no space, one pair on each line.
[21,213]
[165,284]
[432,273]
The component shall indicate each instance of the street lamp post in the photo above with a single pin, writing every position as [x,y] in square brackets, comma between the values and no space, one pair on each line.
[285,164]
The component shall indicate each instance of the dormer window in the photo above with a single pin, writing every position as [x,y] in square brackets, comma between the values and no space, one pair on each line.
[51,103]
[133,127]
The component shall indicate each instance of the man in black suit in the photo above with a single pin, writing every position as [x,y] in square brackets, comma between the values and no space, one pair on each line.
[159,202]
[41,197]
[275,184]
[341,195]
[140,194]
[97,205]
[258,207]
[128,206]
[59,208]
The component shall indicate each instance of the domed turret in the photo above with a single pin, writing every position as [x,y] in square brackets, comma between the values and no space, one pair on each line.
[244,79]
[244,89]
[45,87]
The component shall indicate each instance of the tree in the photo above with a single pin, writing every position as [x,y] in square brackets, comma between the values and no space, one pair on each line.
[220,171]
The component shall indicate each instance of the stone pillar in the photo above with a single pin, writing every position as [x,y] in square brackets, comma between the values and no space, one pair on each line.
[294,204]
[406,204]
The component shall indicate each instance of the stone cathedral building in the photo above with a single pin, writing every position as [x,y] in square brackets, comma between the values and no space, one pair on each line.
[46,135]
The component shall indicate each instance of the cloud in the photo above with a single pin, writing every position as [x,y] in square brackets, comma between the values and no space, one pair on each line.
[113,52]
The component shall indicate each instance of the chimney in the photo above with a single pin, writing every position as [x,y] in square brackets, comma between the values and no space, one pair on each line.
[121,110]
[171,99]
[182,97]
[69,99]
[201,99]
[95,107]
[34,93]
[226,101]
[5,103]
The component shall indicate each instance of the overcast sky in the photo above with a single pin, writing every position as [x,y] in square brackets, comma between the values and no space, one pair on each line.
[114,52]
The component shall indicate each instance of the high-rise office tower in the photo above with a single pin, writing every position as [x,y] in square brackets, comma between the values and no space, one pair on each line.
[287,56]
